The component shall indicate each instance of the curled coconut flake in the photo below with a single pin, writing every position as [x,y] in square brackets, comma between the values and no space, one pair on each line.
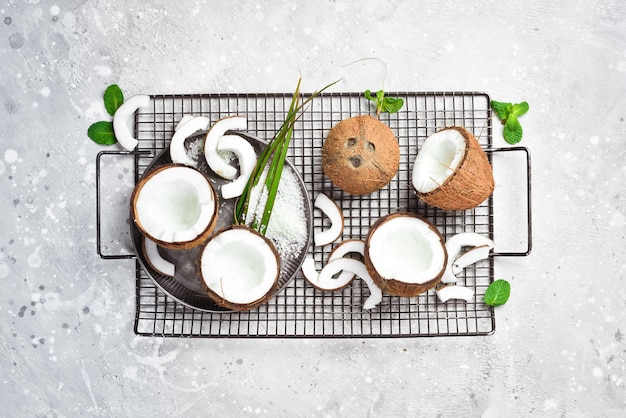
[329,283]
[183,120]
[333,212]
[157,262]
[454,292]
[470,257]
[219,128]
[121,120]
[247,160]
[346,247]
[178,152]
[454,245]
[357,267]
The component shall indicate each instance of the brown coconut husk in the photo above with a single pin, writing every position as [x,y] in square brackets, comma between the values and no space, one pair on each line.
[241,306]
[360,155]
[471,183]
[395,287]
[183,245]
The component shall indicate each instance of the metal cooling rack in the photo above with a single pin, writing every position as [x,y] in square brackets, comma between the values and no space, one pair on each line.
[299,310]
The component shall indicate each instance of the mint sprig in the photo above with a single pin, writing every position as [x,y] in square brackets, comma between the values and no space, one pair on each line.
[102,132]
[508,113]
[498,293]
[113,98]
[384,103]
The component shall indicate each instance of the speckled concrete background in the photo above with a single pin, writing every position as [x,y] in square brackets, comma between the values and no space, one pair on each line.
[67,346]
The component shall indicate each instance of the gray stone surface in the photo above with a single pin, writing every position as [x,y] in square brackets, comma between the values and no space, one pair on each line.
[67,346]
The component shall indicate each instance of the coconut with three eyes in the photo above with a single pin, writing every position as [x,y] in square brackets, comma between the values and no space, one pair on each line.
[360,155]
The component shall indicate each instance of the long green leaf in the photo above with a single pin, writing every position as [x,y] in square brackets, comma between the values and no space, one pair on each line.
[273,154]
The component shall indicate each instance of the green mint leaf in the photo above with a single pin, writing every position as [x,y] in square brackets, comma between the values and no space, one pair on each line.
[502,109]
[113,98]
[368,96]
[498,293]
[392,104]
[519,109]
[102,133]
[512,130]
[380,95]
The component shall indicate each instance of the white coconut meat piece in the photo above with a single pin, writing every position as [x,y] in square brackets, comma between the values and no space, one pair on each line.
[175,205]
[470,257]
[239,266]
[406,249]
[334,213]
[154,258]
[454,292]
[247,160]
[122,120]
[325,278]
[344,248]
[178,151]
[437,159]
[326,282]
[217,130]
[183,120]
[455,244]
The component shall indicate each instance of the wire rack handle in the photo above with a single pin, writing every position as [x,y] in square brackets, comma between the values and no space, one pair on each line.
[528,203]
[99,157]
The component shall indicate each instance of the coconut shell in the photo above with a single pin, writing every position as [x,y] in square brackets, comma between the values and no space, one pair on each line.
[183,245]
[469,185]
[395,287]
[360,155]
[240,306]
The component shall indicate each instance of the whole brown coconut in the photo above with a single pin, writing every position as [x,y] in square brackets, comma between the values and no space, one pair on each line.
[360,155]
[451,171]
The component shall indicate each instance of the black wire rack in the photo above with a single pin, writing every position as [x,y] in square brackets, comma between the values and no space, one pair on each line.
[299,310]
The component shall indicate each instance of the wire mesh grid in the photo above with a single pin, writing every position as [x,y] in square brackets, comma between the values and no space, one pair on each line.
[299,310]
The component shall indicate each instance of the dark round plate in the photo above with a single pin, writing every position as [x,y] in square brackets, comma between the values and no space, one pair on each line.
[185,286]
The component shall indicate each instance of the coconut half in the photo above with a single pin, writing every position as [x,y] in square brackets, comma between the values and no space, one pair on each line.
[405,254]
[174,206]
[239,268]
[451,171]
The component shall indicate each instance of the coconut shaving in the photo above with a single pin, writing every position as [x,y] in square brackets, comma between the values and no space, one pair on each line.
[287,227]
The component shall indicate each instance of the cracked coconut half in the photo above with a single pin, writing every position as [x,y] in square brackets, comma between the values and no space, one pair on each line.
[451,171]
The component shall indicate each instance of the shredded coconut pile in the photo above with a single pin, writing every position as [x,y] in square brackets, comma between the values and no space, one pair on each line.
[287,227]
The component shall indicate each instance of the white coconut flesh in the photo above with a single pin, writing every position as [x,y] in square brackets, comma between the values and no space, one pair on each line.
[155,259]
[122,120]
[454,292]
[175,204]
[325,278]
[334,214]
[247,160]
[329,282]
[239,266]
[456,243]
[438,159]
[344,248]
[217,130]
[184,129]
[406,249]
[183,120]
